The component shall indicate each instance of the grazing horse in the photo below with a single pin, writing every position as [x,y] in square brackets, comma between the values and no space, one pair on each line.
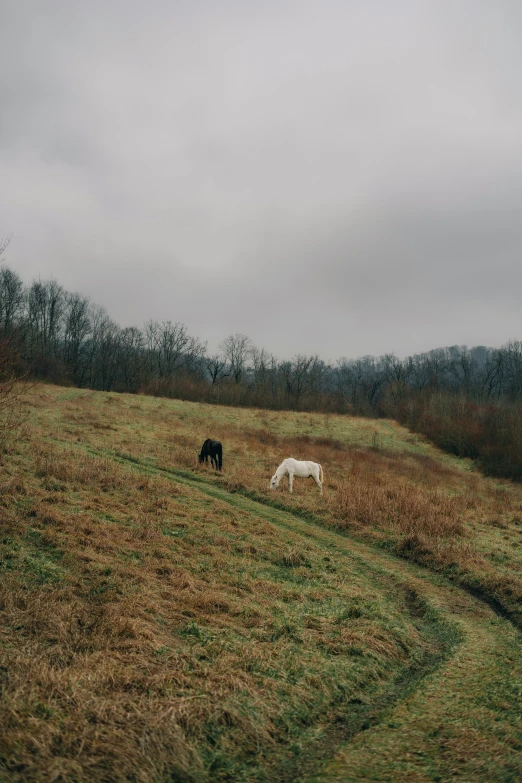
[293,467]
[214,450]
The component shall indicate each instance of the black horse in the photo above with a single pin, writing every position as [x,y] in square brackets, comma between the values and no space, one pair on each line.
[214,450]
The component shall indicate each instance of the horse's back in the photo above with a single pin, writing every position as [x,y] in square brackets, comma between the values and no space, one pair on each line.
[300,468]
[211,444]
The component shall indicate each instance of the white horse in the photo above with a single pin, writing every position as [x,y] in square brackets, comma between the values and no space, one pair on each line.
[293,467]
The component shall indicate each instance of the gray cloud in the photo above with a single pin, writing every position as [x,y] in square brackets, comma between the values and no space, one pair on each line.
[337,177]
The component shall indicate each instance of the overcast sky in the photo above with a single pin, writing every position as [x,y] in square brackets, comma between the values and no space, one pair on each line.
[339,177]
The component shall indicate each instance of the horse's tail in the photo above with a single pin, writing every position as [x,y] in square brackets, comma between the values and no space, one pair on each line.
[220,456]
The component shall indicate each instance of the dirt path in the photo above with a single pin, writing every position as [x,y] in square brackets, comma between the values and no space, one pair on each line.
[461,720]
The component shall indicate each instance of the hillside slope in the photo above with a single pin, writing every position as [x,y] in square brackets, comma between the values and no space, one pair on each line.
[161,622]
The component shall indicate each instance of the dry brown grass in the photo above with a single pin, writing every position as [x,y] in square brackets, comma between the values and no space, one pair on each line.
[150,633]
[395,489]
[437,515]
[400,507]
[84,689]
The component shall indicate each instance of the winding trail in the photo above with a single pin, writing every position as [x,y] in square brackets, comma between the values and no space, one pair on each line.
[460,720]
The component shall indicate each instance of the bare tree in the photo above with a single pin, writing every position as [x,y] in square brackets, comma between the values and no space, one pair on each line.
[461,367]
[11,300]
[11,305]
[106,343]
[373,379]
[512,368]
[77,328]
[261,361]
[302,375]
[101,326]
[237,348]
[349,376]
[493,374]
[428,369]
[4,242]
[397,374]
[131,358]
[172,347]
[397,370]
[216,367]
[45,309]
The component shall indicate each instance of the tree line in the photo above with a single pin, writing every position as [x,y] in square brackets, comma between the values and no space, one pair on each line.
[468,400]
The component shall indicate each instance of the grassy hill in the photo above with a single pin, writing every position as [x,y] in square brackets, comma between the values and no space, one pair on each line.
[160,622]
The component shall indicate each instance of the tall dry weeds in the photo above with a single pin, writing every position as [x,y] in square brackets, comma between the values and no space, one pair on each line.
[149,633]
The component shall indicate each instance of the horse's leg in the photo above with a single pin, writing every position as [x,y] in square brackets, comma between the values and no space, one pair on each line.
[291,482]
[318,482]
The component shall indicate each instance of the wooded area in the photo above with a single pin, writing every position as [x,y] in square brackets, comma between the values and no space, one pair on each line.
[469,401]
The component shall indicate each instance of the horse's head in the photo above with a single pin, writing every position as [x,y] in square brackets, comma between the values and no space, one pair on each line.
[200,458]
[274,481]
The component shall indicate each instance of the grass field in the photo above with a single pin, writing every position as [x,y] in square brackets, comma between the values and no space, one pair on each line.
[160,622]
